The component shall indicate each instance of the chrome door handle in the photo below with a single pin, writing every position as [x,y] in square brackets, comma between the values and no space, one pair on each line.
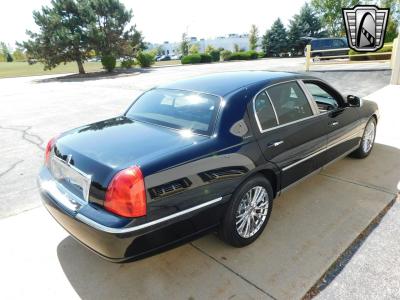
[335,123]
[275,144]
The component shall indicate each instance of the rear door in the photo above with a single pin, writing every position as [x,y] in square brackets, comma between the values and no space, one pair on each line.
[291,135]
[340,122]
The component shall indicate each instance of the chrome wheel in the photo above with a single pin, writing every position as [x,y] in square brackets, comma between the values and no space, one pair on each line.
[369,137]
[252,212]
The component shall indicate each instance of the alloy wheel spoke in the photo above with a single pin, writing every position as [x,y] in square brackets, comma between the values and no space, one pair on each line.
[252,212]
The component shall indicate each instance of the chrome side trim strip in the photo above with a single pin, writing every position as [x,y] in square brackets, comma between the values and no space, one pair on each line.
[112,230]
[316,171]
[322,150]
[299,181]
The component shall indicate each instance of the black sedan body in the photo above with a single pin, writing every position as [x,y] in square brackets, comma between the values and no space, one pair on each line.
[182,151]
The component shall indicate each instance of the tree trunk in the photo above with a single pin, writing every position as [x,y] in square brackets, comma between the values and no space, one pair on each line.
[80,67]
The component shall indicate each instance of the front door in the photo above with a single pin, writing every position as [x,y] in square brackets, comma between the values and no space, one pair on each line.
[341,122]
[291,135]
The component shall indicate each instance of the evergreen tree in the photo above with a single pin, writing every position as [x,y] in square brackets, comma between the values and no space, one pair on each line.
[304,25]
[109,31]
[275,39]
[63,35]
[69,30]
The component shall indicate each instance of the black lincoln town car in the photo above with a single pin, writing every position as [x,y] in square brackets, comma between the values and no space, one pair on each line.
[211,152]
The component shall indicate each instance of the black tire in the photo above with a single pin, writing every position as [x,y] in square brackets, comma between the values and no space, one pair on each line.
[228,230]
[362,151]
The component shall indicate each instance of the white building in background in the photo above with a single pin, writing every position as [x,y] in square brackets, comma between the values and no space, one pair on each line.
[225,42]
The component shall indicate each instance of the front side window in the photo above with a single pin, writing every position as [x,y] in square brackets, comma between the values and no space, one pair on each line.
[264,111]
[177,109]
[325,101]
[289,101]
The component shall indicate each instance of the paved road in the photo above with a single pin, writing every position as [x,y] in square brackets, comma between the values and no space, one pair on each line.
[33,109]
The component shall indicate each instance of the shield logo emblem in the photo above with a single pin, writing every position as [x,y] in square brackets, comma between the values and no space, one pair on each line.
[365,27]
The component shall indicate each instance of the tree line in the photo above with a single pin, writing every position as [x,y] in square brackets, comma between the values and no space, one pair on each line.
[76,30]
[320,18]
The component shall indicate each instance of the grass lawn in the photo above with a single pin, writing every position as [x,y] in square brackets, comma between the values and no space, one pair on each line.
[19,69]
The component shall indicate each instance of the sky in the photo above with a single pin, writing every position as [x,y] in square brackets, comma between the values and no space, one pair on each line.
[161,21]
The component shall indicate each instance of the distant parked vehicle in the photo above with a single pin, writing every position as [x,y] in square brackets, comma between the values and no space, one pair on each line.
[93,59]
[327,44]
[164,58]
[176,56]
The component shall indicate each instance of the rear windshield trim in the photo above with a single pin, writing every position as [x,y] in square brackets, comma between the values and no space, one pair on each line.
[213,122]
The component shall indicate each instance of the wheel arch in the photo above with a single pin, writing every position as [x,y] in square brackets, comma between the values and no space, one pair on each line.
[269,174]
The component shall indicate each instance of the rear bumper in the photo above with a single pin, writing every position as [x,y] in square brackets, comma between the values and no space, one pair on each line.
[116,238]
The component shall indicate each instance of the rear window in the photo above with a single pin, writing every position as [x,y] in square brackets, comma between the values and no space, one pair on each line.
[177,109]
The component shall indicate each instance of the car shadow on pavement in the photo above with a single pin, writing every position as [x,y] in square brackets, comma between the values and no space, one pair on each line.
[311,226]
[182,273]
[117,73]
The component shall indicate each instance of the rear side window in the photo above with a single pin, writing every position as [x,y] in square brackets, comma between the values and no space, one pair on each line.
[289,101]
[264,111]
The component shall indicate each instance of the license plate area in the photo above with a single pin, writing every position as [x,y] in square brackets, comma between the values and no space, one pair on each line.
[71,178]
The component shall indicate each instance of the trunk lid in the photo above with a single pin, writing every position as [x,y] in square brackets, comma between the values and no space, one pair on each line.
[101,149]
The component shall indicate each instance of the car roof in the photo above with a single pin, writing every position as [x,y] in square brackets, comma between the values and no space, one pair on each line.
[222,84]
[329,38]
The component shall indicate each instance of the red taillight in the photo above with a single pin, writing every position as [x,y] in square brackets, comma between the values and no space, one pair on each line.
[126,195]
[49,147]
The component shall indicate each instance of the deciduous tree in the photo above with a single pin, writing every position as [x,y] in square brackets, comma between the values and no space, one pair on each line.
[330,12]
[253,37]
[184,45]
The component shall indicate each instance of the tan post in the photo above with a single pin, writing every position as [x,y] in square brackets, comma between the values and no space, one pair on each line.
[395,41]
[395,63]
[308,57]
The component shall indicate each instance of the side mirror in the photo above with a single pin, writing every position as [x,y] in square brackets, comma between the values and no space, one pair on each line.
[353,101]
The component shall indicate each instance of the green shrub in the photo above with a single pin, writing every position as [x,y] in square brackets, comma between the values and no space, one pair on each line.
[261,54]
[108,62]
[253,54]
[385,48]
[244,55]
[145,59]
[215,55]
[127,63]
[226,55]
[191,59]
[205,58]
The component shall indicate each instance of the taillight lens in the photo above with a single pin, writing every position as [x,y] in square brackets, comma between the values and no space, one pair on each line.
[126,195]
[49,147]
